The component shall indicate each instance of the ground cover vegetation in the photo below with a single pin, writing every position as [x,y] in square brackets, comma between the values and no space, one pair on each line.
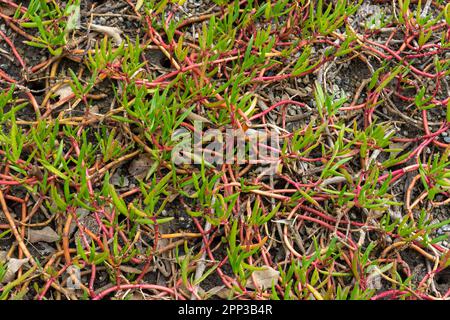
[92,205]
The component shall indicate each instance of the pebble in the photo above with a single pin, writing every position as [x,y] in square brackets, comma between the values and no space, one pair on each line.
[447,139]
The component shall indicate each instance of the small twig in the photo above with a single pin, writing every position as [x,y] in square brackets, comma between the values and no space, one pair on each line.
[14,229]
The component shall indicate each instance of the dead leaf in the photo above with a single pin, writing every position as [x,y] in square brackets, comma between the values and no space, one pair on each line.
[333,180]
[73,20]
[137,296]
[263,279]
[396,148]
[87,222]
[194,117]
[64,91]
[139,4]
[7,10]
[44,249]
[81,213]
[113,32]
[3,217]
[3,255]
[94,109]
[140,166]
[129,269]
[11,269]
[47,235]
[300,92]
[35,171]
[219,291]
[119,180]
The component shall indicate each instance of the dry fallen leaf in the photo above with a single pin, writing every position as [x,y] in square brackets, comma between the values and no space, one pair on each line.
[139,166]
[81,213]
[333,180]
[220,291]
[3,255]
[139,4]
[118,180]
[87,222]
[11,269]
[136,296]
[47,235]
[7,10]
[263,278]
[64,91]
[194,117]
[44,249]
[129,269]
[3,217]
[113,32]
